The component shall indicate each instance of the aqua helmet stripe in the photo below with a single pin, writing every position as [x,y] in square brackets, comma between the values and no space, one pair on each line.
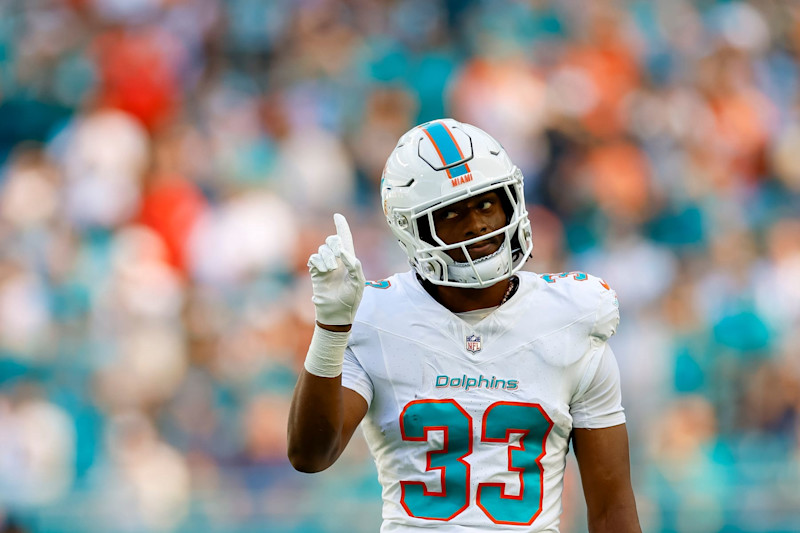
[447,148]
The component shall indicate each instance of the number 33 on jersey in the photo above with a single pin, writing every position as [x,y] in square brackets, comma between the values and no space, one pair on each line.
[476,440]
[500,422]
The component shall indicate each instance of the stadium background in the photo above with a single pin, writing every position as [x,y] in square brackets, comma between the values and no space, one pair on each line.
[167,166]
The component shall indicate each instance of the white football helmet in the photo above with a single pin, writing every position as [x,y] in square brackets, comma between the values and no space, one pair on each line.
[437,164]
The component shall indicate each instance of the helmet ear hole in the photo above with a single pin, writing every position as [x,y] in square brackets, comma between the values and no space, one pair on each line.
[425,233]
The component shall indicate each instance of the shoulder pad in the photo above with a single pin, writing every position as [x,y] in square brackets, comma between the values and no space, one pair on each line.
[591,292]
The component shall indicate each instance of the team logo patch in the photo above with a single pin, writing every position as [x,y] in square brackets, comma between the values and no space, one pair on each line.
[380,284]
[473,343]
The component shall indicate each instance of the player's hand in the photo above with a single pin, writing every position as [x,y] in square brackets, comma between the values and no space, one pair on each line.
[336,277]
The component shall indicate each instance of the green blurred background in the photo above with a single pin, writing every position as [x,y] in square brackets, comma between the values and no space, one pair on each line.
[167,166]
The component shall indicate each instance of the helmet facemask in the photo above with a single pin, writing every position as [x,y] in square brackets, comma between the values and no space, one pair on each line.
[431,258]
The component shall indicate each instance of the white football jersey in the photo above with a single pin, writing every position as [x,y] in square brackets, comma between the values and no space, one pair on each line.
[469,425]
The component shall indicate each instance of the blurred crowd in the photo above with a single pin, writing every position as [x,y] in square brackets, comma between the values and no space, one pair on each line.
[167,166]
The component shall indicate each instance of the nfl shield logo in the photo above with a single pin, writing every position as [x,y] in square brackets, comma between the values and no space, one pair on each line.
[474,343]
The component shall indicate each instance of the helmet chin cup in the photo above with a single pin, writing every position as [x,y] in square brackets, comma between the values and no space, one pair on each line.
[493,267]
[441,163]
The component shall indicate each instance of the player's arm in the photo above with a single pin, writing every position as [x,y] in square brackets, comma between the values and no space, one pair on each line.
[604,463]
[602,452]
[323,414]
[322,419]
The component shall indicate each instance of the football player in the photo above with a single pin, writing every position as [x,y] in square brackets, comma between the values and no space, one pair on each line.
[469,376]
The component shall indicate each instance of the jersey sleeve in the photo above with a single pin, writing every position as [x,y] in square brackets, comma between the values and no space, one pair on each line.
[355,377]
[598,403]
[607,317]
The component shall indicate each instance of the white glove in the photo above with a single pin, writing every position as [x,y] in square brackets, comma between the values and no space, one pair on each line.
[336,277]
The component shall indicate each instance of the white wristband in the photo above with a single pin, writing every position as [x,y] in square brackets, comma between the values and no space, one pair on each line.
[325,355]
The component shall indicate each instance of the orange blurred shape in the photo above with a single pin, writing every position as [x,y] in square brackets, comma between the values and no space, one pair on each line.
[613,70]
[742,130]
[170,207]
[506,91]
[136,74]
[619,178]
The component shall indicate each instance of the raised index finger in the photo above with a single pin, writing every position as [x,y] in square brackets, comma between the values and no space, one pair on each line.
[343,231]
